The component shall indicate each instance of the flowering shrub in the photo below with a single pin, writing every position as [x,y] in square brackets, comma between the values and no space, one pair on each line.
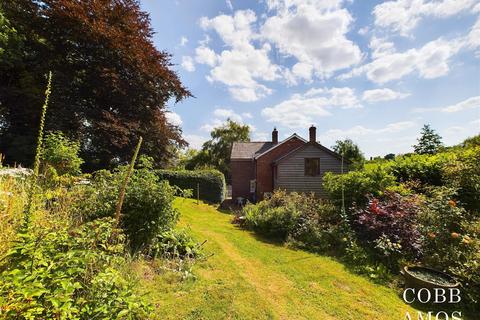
[451,239]
[388,225]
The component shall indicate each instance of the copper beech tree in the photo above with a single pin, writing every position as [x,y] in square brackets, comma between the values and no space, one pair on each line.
[111,84]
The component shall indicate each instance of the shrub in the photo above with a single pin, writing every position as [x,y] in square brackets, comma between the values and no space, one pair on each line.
[211,182]
[357,185]
[69,274]
[388,226]
[61,153]
[452,239]
[147,209]
[463,173]
[425,168]
[272,217]
[301,219]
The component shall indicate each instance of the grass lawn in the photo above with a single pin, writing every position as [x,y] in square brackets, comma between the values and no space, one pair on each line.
[250,278]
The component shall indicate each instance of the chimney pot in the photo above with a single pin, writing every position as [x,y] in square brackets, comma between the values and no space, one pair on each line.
[275,136]
[313,134]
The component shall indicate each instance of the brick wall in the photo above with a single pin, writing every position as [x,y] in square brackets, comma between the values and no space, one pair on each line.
[264,165]
[242,173]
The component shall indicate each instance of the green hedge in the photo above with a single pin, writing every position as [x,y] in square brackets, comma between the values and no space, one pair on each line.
[211,182]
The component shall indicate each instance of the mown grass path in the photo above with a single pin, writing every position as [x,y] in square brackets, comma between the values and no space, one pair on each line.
[250,278]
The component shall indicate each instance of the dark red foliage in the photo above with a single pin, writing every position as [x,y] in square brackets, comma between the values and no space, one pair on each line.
[110,83]
[393,216]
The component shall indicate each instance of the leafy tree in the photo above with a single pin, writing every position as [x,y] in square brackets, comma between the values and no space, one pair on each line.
[429,142]
[349,150]
[215,152]
[111,84]
[389,156]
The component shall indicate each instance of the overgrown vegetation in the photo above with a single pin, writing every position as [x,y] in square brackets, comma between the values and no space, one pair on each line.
[72,260]
[413,209]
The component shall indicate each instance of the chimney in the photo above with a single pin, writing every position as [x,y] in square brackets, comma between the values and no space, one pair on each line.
[275,136]
[313,133]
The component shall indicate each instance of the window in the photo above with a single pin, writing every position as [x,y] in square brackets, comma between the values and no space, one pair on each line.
[312,167]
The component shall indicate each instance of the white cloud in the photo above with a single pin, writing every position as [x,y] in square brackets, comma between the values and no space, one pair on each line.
[380,47]
[229,4]
[360,131]
[195,141]
[188,64]
[473,38]
[261,136]
[384,94]
[205,55]
[470,103]
[173,118]
[243,65]
[314,32]
[403,16]
[220,116]
[429,61]
[363,31]
[183,41]
[227,113]
[301,111]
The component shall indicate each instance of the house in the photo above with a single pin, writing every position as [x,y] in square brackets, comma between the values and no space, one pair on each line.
[293,164]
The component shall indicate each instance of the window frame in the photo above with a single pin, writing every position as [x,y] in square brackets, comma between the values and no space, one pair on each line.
[307,169]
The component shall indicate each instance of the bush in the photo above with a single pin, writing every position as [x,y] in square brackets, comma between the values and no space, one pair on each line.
[69,274]
[463,173]
[427,169]
[275,217]
[211,182]
[61,154]
[452,240]
[301,219]
[147,209]
[388,226]
[356,185]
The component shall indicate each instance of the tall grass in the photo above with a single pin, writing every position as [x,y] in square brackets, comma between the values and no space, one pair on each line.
[12,201]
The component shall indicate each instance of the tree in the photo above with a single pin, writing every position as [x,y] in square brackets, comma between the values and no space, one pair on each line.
[389,156]
[349,150]
[110,83]
[215,153]
[429,142]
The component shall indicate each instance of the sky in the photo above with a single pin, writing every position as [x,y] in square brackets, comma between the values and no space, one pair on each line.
[371,71]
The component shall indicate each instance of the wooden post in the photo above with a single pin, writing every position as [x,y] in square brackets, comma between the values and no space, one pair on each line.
[198,193]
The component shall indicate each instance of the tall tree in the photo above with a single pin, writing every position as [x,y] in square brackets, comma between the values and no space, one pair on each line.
[429,142]
[110,86]
[215,152]
[349,150]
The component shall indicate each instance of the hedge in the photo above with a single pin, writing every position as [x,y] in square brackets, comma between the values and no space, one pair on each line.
[211,182]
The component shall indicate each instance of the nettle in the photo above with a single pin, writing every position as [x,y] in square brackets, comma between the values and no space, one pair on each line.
[69,274]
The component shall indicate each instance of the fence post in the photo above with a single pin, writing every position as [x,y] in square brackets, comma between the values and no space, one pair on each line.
[198,193]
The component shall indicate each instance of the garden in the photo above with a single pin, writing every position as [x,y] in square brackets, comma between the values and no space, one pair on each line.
[416,209]
[67,254]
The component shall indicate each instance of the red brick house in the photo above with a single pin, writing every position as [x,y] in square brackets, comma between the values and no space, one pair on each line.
[293,164]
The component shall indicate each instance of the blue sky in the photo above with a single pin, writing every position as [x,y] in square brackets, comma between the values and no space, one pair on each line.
[371,71]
